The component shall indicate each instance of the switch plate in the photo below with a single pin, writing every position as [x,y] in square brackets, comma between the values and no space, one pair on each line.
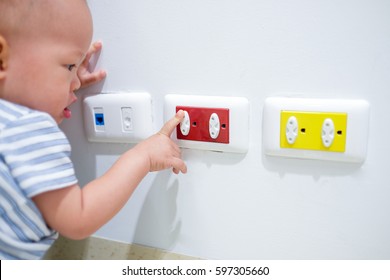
[350,119]
[118,117]
[233,113]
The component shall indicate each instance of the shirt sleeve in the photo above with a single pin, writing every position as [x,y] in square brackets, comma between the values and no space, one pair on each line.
[38,154]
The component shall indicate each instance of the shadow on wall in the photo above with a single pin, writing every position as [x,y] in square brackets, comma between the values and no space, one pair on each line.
[158,225]
[315,168]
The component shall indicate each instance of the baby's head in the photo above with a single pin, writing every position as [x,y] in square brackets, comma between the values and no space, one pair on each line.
[42,43]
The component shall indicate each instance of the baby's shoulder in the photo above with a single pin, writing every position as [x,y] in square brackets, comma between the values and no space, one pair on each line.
[15,115]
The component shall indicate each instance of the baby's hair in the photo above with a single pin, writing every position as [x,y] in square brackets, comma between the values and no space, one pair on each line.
[13,13]
[20,15]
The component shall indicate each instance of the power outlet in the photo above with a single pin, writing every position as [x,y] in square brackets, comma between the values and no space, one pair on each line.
[322,131]
[204,124]
[212,123]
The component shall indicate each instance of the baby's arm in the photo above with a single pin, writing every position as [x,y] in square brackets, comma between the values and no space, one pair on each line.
[78,212]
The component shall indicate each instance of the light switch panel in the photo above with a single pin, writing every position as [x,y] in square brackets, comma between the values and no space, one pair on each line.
[118,117]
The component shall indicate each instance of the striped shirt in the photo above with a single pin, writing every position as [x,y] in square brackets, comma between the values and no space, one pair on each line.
[34,158]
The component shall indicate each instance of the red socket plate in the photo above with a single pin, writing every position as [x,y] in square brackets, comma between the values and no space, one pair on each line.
[199,124]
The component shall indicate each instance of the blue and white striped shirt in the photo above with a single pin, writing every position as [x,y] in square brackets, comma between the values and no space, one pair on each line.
[34,158]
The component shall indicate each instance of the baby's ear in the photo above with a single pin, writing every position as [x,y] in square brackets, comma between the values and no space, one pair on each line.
[3,56]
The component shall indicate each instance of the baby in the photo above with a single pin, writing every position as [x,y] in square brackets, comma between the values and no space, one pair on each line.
[44,56]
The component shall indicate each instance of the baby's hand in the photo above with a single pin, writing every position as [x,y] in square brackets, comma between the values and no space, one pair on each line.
[163,153]
[86,77]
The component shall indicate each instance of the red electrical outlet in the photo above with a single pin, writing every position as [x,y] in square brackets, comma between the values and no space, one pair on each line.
[205,124]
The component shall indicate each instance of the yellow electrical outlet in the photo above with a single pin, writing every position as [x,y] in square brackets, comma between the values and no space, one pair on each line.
[323,131]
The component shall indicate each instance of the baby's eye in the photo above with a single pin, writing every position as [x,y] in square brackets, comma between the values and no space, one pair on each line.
[70,66]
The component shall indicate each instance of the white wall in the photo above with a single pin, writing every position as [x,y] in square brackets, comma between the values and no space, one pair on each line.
[250,206]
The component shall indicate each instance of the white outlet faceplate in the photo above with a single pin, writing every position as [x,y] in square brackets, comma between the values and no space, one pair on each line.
[356,133]
[118,117]
[238,119]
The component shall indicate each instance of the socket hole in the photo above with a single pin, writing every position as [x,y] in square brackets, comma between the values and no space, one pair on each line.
[303,130]
[194,124]
[340,132]
[223,125]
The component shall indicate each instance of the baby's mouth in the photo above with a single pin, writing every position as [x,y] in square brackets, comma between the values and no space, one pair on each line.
[67,113]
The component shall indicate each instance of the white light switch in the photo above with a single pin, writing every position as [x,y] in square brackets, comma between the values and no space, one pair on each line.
[127,119]
[119,117]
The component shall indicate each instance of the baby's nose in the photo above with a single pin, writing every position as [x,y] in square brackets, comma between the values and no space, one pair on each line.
[76,84]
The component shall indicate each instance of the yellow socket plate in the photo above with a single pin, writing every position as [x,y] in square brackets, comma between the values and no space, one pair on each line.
[309,132]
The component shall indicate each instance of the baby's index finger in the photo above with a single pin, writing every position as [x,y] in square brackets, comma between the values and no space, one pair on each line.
[170,125]
[179,115]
